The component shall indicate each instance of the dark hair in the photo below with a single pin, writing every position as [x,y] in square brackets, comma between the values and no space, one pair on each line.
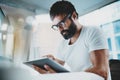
[62,7]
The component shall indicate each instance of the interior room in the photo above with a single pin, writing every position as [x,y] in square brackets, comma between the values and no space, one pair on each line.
[26,35]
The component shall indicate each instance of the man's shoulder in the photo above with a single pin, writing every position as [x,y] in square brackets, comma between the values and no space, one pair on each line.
[92,28]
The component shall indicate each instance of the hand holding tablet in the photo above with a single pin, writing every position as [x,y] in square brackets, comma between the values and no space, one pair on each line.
[47,61]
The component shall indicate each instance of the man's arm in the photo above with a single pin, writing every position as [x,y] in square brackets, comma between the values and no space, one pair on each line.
[100,63]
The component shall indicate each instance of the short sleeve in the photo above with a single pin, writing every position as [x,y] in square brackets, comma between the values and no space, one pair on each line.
[97,40]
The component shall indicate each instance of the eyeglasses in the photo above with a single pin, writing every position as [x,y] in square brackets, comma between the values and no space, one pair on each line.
[61,23]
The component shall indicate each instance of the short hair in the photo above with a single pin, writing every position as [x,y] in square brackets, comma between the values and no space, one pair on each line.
[62,7]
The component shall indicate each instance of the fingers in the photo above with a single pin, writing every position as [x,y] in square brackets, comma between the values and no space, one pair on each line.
[50,70]
[50,56]
[55,59]
[42,71]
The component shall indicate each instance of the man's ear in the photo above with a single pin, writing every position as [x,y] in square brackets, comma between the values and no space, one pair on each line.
[74,15]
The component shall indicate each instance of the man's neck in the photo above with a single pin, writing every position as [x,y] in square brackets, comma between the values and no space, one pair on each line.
[75,37]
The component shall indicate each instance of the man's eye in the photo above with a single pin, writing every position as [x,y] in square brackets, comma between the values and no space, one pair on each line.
[61,24]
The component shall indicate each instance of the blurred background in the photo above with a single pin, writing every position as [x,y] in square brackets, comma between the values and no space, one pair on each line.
[25,26]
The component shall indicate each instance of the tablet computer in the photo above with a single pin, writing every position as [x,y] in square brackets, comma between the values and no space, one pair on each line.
[47,61]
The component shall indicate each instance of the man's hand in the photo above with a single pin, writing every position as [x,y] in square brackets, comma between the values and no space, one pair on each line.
[97,71]
[55,59]
[47,69]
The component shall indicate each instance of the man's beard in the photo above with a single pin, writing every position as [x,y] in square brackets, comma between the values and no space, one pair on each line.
[69,32]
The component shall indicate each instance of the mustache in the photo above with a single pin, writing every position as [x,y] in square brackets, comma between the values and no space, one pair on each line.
[64,31]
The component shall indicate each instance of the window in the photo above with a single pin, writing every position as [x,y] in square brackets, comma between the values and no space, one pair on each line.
[116,26]
[117,43]
[1,21]
[108,18]
[109,44]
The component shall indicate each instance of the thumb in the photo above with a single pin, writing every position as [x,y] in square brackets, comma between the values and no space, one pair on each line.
[48,68]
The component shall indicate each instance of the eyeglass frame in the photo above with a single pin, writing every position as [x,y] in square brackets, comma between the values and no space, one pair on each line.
[62,21]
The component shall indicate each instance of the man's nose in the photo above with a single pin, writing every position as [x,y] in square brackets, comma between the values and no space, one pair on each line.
[61,28]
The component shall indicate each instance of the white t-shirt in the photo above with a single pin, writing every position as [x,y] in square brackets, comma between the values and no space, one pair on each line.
[77,55]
